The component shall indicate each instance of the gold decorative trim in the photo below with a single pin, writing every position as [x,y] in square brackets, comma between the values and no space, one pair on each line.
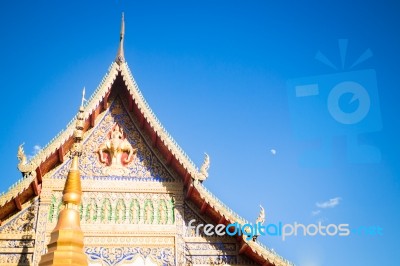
[16,188]
[122,186]
[130,241]
[16,250]
[209,239]
[122,229]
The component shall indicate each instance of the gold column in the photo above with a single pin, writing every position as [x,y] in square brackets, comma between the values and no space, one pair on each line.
[66,241]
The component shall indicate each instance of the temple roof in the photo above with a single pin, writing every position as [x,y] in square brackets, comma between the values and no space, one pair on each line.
[53,154]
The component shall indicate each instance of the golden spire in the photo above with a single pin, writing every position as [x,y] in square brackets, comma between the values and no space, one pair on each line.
[66,240]
[120,55]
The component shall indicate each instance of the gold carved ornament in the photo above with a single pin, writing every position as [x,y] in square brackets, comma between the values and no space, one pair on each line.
[116,151]
[23,165]
[203,173]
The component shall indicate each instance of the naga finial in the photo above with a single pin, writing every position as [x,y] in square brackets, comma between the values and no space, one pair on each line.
[23,166]
[205,165]
[259,221]
[21,154]
[203,173]
[261,217]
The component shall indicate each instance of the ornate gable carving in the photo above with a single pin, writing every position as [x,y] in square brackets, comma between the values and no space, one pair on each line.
[18,236]
[116,152]
[120,208]
[131,256]
[115,148]
[23,222]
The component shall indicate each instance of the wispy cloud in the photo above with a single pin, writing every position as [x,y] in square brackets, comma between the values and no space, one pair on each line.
[329,203]
[316,212]
[36,149]
[322,220]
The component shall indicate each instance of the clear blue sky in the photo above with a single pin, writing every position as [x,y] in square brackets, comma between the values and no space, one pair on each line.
[221,77]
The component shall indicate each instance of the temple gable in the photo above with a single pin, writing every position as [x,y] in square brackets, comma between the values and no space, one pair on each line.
[116,149]
[114,187]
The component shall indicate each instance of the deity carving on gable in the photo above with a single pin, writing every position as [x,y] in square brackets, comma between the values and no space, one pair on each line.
[116,152]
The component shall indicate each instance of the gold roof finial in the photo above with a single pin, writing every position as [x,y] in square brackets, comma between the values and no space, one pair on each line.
[120,55]
[23,166]
[66,240]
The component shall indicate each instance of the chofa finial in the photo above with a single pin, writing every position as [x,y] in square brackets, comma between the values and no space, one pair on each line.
[27,169]
[259,221]
[120,55]
[205,165]
[203,172]
[21,154]
[261,216]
